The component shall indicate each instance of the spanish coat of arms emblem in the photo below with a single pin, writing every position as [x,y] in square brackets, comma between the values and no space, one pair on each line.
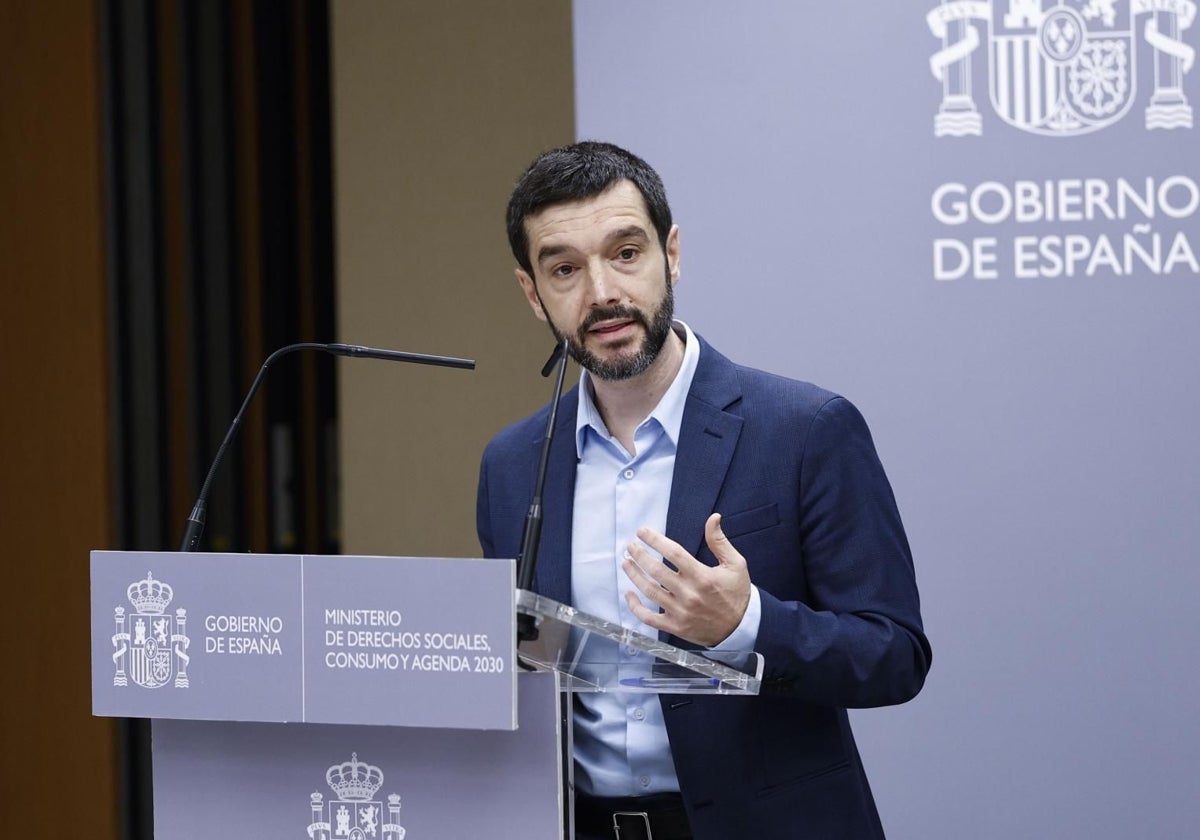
[1061,67]
[150,644]
[354,813]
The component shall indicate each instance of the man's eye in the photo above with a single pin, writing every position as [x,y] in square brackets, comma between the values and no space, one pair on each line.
[627,254]
[562,270]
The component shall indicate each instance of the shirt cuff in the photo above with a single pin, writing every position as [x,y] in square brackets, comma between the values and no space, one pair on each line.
[745,634]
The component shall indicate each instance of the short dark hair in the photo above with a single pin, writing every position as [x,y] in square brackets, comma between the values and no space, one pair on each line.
[578,171]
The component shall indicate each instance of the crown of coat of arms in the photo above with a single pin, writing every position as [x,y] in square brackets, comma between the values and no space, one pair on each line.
[354,780]
[149,596]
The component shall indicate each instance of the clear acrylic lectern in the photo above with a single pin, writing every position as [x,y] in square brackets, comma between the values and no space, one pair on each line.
[592,654]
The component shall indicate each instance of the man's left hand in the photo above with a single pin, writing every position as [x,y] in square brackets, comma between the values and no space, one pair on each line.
[700,603]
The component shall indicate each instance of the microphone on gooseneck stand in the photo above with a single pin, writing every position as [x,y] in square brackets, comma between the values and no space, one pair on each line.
[527,557]
[195,521]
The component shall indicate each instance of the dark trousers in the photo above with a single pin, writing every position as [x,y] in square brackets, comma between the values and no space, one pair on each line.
[659,817]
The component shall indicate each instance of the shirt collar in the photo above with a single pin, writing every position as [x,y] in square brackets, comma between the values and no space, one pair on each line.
[668,412]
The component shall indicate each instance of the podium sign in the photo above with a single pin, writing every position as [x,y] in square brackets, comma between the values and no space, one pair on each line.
[362,783]
[393,641]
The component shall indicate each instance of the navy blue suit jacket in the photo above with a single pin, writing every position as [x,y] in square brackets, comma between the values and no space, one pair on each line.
[794,473]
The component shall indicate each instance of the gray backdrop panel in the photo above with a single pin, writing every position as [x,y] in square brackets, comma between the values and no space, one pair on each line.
[1040,431]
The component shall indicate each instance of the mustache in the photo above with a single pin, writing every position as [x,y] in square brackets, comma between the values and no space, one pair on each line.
[611,313]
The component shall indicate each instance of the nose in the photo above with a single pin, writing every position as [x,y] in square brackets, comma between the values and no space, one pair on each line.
[602,288]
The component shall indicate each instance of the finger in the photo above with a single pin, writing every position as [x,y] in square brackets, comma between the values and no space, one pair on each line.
[651,588]
[719,544]
[671,551]
[649,617]
[652,566]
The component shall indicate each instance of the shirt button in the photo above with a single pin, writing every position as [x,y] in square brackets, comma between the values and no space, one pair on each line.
[639,714]
[628,473]
[644,781]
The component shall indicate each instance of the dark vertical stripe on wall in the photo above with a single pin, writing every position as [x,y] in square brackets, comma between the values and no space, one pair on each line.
[179,397]
[291,43]
[135,215]
[314,247]
[213,279]
[114,198]
[321,256]
[249,240]
[281,293]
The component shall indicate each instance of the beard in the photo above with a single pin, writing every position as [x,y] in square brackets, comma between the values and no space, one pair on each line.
[657,327]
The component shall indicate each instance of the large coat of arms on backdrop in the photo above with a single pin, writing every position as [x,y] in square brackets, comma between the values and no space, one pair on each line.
[1061,67]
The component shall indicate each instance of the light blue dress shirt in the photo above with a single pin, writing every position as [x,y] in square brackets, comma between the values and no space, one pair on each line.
[621,746]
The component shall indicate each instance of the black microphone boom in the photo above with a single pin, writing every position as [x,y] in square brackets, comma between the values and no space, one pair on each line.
[195,520]
[359,352]
[527,558]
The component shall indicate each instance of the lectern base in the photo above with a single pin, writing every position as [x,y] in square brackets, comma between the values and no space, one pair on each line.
[332,782]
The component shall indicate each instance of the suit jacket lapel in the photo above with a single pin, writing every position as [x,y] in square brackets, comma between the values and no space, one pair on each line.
[707,440]
[553,576]
[708,437]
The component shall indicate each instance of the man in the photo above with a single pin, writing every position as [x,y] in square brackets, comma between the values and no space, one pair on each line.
[764,494]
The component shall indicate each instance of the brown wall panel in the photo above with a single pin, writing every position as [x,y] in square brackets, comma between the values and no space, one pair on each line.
[54,468]
[438,107]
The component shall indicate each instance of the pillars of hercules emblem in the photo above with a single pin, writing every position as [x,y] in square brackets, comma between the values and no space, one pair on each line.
[957,115]
[1169,107]
[393,831]
[181,677]
[119,639]
[316,829]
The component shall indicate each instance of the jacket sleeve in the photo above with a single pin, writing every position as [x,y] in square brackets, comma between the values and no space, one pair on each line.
[856,638]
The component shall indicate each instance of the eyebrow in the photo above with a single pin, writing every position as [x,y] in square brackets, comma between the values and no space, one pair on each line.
[628,232]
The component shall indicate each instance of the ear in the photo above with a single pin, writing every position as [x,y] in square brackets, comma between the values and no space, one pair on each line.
[673,253]
[531,294]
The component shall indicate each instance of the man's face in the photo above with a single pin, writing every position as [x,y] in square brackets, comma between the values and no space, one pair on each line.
[601,278]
